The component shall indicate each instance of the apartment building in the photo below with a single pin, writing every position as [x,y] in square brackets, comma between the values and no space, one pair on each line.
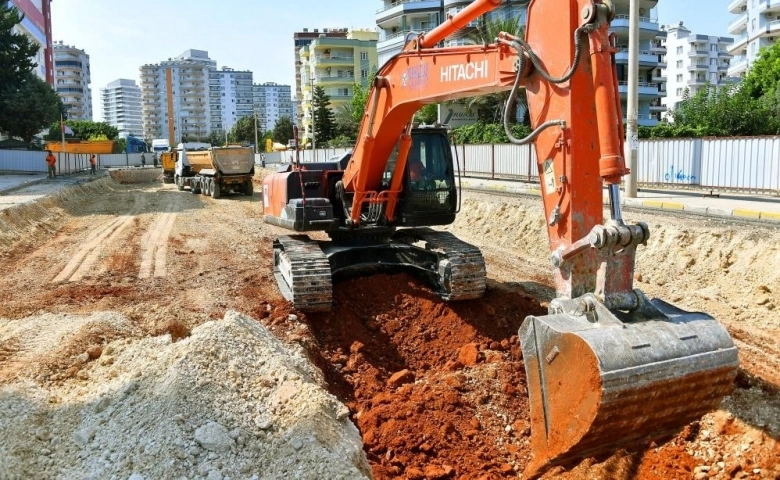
[122,107]
[756,25]
[693,61]
[235,99]
[272,102]
[396,21]
[303,39]
[37,26]
[73,80]
[335,64]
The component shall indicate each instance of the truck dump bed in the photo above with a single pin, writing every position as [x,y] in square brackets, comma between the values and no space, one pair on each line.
[228,160]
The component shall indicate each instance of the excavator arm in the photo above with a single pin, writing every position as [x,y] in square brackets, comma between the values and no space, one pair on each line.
[607,367]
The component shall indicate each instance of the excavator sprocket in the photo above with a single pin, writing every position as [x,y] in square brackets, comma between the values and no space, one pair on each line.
[303,273]
[461,270]
[600,380]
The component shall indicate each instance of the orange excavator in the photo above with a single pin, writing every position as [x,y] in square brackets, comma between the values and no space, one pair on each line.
[607,368]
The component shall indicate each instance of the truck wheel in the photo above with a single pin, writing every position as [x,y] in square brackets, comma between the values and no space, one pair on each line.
[248,188]
[216,191]
[178,182]
[194,186]
[205,188]
[209,187]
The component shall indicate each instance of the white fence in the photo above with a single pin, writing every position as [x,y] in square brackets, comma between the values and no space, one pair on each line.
[21,161]
[749,164]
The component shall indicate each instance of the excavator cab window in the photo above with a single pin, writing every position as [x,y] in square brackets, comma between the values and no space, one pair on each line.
[430,197]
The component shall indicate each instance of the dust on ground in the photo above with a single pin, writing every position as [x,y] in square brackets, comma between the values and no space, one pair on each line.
[144,323]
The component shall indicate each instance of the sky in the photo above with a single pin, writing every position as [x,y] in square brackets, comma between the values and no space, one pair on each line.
[120,35]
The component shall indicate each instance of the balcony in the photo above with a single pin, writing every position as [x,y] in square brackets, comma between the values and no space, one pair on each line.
[646,57]
[737,66]
[738,25]
[335,79]
[658,108]
[699,67]
[698,53]
[737,6]
[647,27]
[697,81]
[645,89]
[335,60]
[769,5]
[723,54]
[772,28]
[740,45]
[658,49]
[724,67]
[658,77]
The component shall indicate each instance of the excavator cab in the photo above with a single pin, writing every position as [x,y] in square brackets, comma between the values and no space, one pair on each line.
[429,196]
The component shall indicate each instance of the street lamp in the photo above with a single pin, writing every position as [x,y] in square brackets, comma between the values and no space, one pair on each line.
[257,149]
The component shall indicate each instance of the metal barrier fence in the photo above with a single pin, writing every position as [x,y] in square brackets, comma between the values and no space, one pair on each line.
[746,164]
[22,161]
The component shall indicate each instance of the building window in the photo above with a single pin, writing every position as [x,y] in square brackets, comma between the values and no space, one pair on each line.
[679,92]
[680,78]
[679,63]
[679,49]
[364,56]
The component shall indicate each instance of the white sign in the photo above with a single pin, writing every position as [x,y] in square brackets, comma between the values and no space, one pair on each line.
[456,115]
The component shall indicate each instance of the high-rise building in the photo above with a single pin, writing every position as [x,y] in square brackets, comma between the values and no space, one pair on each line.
[335,64]
[302,39]
[72,81]
[122,107]
[396,21]
[235,98]
[272,102]
[757,25]
[37,25]
[693,61]
[185,81]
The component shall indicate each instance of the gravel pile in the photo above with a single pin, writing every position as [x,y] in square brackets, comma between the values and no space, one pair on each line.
[229,401]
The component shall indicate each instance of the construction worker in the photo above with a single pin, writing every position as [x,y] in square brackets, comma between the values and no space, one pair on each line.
[143,160]
[92,163]
[51,161]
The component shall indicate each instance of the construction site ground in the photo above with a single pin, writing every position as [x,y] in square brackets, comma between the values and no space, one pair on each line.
[142,335]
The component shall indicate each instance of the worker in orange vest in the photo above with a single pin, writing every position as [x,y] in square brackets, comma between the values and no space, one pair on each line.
[92,163]
[51,161]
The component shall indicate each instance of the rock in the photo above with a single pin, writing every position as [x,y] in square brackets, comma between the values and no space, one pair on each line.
[400,378]
[84,436]
[136,476]
[356,347]
[434,472]
[469,354]
[95,351]
[214,437]
[414,474]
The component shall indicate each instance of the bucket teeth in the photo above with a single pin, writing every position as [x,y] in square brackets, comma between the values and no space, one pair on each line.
[596,386]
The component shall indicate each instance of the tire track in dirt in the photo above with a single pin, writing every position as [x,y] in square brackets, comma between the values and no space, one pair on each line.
[155,242]
[84,259]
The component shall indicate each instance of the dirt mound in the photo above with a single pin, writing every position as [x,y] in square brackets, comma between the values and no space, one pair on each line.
[135,175]
[437,390]
[228,401]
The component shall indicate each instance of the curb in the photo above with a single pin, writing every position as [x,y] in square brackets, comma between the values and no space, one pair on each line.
[649,204]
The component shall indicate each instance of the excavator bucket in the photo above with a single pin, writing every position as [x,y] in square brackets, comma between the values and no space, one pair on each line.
[599,380]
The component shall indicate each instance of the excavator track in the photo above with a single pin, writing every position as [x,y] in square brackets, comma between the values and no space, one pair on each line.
[303,273]
[462,270]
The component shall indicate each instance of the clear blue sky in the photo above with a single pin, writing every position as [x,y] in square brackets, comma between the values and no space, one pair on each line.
[256,35]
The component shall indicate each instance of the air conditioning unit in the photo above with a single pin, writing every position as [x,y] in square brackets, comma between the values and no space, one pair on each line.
[769,14]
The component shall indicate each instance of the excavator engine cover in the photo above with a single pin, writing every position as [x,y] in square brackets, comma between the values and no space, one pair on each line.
[600,380]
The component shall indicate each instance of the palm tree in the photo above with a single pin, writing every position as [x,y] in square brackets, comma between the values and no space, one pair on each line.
[490,107]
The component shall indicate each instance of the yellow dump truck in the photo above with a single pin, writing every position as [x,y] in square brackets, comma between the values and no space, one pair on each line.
[168,162]
[215,170]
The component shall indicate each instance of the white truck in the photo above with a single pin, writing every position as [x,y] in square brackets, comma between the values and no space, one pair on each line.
[160,145]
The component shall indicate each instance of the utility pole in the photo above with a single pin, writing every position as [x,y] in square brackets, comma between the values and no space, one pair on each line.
[632,101]
[313,135]
[257,148]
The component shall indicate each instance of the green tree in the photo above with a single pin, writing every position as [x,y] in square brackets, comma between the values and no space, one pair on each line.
[84,129]
[217,138]
[27,108]
[283,130]
[763,77]
[324,118]
[243,130]
[16,49]
[723,111]
[490,108]
[427,114]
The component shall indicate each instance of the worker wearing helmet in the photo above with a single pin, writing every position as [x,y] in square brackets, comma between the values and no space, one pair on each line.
[416,168]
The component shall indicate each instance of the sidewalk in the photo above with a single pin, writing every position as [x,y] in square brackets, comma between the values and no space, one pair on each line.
[753,207]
